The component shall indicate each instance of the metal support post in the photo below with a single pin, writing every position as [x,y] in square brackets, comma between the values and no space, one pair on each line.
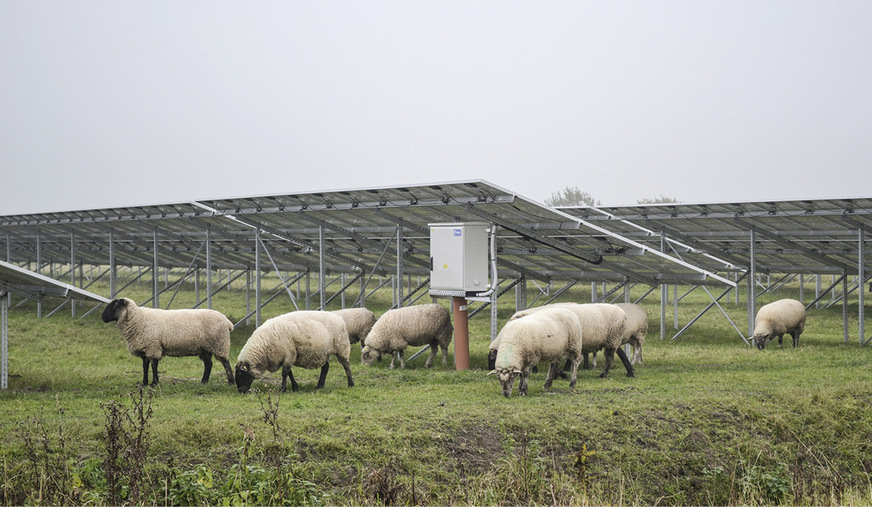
[208,266]
[257,278]
[861,288]
[845,305]
[155,275]
[4,340]
[247,295]
[73,269]
[113,268]
[752,281]
[461,334]
[521,294]
[322,270]
[664,293]
[400,267]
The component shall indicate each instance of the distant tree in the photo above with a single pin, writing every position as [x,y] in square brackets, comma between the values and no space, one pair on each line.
[662,199]
[571,196]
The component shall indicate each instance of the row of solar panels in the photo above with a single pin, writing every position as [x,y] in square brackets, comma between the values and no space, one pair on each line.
[372,230]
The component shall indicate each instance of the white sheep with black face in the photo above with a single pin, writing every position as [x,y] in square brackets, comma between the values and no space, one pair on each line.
[153,333]
[785,316]
[547,335]
[418,325]
[306,339]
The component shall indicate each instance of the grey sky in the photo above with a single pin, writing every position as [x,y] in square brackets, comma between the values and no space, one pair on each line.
[106,103]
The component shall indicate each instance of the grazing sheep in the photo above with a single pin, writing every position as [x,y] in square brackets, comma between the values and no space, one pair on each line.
[603,325]
[306,339]
[635,329]
[153,333]
[358,322]
[785,316]
[427,324]
[547,335]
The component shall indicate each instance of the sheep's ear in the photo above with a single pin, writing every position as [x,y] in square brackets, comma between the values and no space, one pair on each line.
[517,371]
[491,373]
[243,367]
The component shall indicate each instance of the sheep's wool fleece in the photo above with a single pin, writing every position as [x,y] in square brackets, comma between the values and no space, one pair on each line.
[358,322]
[411,326]
[543,336]
[637,321]
[602,323]
[154,333]
[305,339]
[779,317]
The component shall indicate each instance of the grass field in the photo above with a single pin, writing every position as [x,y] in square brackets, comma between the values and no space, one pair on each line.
[707,420]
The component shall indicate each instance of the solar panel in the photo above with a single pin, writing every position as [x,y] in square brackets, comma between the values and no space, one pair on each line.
[357,227]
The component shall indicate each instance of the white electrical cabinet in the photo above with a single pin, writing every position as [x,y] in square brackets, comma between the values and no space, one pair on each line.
[458,258]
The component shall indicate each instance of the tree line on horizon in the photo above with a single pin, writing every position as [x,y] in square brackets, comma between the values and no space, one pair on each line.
[573,196]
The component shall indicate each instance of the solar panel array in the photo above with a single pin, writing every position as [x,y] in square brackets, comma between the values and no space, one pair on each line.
[809,236]
[358,231]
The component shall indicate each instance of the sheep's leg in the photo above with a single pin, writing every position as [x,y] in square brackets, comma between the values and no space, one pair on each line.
[610,356]
[393,359]
[287,373]
[228,370]
[347,366]
[434,348]
[444,355]
[561,372]
[624,359]
[154,372]
[795,337]
[780,341]
[522,385]
[145,362]
[637,351]
[552,372]
[574,372]
[402,358]
[323,377]
[207,366]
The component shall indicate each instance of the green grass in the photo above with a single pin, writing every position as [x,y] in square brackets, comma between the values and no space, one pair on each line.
[707,420]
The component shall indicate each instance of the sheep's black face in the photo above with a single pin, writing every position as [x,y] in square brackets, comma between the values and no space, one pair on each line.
[113,309]
[244,378]
[761,340]
[507,380]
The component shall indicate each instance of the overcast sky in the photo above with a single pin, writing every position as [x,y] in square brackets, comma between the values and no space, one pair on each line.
[107,103]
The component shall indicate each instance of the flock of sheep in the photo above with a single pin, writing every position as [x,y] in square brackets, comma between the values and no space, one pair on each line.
[307,339]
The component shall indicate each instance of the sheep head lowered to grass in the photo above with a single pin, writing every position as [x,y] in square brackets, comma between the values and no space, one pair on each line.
[785,316]
[547,335]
